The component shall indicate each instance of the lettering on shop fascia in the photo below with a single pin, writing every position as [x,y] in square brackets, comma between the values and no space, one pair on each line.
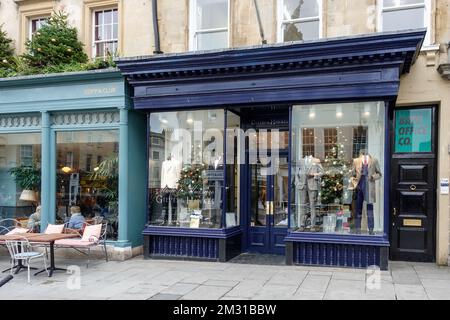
[94,91]
[20,121]
[269,122]
[86,118]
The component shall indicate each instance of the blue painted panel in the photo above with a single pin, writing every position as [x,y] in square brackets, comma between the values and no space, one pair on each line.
[77,91]
[184,247]
[333,254]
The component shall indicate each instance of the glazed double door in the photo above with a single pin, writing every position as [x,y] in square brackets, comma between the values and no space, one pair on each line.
[268,206]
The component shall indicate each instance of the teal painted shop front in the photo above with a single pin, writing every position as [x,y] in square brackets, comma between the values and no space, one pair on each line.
[70,127]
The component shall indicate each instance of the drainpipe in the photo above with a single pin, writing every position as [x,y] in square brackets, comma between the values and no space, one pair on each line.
[261,30]
[156,27]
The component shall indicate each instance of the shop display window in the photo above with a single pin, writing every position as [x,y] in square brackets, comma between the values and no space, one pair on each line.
[337,168]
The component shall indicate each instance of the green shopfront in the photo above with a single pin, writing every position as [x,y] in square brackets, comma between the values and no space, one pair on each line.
[280,149]
[75,133]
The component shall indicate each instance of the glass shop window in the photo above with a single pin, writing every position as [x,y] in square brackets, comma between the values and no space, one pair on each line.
[20,176]
[337,168]
[87,190]
[186,181]
[405,14]
[209,24]
[299,20]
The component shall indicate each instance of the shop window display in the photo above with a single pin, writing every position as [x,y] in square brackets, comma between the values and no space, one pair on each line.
[20,175]
[87,177]
[186,183]
[337,181]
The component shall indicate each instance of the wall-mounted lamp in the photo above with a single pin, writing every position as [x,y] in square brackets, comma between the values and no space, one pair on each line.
[312,113]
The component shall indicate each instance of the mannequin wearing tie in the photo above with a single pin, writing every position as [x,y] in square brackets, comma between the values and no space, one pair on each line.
[366,170]
[170,174]
[307,181]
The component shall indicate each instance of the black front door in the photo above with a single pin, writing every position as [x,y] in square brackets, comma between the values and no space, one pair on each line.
[413,185]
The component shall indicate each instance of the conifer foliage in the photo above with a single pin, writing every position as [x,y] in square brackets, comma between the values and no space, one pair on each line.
[55,43]
[6,50]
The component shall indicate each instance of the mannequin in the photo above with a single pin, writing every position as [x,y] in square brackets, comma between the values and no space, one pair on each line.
[366,170]
[307,181]
[170,174]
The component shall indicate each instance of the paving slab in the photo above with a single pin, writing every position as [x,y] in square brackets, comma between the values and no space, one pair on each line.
[206,293]
[410,292]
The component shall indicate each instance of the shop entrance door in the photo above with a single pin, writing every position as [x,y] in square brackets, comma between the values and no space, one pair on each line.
[268,201]
[413,185]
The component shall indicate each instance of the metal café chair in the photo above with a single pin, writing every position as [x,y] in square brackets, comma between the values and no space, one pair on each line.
[21,250]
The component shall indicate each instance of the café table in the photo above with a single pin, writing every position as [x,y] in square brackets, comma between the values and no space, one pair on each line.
[19,236]
[50,240]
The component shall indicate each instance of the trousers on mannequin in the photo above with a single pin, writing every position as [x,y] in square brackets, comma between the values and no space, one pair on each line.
[362,194]
[308,197]
[169,207]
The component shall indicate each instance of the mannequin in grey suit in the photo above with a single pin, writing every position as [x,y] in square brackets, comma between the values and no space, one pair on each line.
[307,182]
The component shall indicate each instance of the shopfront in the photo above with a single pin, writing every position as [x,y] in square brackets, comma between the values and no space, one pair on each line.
[72,135]
[281,149]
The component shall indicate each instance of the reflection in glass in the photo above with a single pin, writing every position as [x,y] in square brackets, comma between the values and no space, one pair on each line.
[337,161]
[20,173]
[186,179]
[87,176]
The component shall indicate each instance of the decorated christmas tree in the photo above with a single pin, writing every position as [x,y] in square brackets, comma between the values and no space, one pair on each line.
[6,51]
[190,184]
[55,43]
[333,179]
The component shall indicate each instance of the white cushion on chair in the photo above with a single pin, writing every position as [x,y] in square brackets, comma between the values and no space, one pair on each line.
[18,231]
[54,228]
[92,233]
[25,255]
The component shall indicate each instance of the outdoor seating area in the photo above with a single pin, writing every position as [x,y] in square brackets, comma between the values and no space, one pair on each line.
[25,246]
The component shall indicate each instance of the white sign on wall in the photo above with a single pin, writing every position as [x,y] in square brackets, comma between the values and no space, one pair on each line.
[444,186]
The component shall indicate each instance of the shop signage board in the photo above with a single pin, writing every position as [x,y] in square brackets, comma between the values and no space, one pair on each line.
[413,131]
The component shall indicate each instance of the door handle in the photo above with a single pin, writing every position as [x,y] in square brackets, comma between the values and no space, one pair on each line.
[269,208]
[413,187]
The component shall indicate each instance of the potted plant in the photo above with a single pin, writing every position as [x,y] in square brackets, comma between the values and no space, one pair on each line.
[27,178]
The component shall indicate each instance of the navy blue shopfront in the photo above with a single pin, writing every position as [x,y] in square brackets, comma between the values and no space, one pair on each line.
[266,88]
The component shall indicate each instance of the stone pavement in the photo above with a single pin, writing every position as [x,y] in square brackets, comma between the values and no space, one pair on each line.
[161,279]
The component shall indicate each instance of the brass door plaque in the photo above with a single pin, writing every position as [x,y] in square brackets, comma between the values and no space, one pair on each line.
[412,222]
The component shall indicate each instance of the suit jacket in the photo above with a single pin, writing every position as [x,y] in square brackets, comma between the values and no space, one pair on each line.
[309,175]
[374,173]
[170,173]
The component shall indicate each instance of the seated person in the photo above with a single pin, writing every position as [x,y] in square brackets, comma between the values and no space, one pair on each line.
[34,221]
[76,220]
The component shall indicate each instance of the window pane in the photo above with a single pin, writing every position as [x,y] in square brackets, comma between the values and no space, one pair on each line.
[301,31]
[186,183]
[98,33]
[115,16]
[90,186]
[21,152]
[398,3]
[232,170]
[108,32]
[211,14]
[338,182]
[98,18]
[403,19]
[413,130]
[295,9]
[115,32]
[214,40]
[107,17]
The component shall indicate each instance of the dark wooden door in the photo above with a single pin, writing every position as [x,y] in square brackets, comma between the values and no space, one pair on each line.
[413,187]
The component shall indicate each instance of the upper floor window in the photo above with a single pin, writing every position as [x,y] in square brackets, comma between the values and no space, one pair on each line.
[299,20]
[105,31]
[404,14]
[209,24]
[36,24]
